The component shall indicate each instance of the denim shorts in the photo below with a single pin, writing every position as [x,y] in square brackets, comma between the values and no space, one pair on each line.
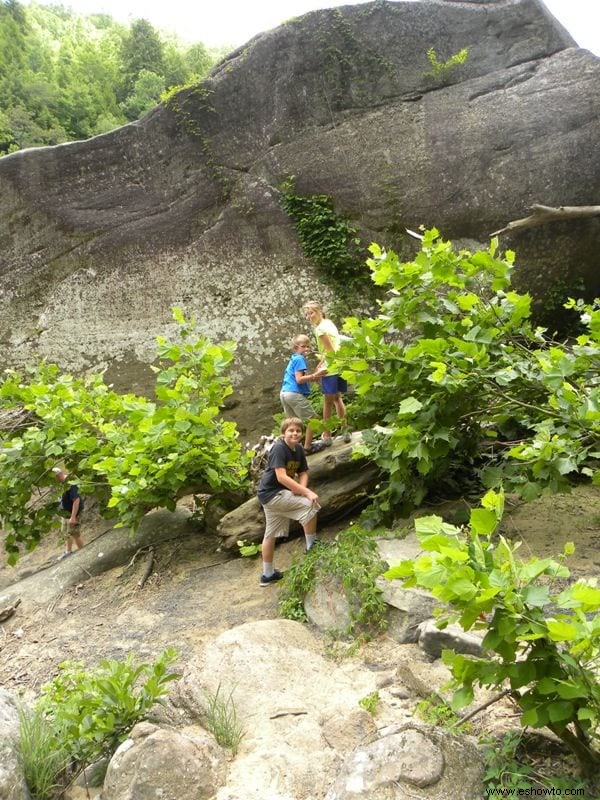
[332,384]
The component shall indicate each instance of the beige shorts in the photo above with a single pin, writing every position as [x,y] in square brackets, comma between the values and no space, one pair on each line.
[297,405]
[284,507]
[68,530]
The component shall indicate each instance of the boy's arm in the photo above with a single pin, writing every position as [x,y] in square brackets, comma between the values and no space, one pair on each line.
[74,510]
[296,487]
[302,377]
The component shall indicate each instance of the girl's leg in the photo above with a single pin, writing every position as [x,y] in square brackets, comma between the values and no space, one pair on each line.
[328,401]
[340,408]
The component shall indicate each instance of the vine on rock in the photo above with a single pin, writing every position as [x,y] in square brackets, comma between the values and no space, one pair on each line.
[329,241]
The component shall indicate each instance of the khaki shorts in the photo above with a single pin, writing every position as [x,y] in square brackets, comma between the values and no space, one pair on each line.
[284,507]
[68,530]
[297,405]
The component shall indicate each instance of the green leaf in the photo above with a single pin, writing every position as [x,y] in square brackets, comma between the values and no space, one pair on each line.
[536,596]
[482,521]
[562,631]
[409,406]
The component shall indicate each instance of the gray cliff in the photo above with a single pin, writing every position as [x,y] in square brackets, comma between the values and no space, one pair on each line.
[100,238]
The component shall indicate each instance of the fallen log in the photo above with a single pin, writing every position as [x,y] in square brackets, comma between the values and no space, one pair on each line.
[343,483]
[7,612]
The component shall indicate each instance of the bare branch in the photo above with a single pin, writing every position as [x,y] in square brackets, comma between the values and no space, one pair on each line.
[542,214]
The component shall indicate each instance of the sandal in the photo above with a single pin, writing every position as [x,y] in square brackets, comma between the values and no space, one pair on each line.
[316,447]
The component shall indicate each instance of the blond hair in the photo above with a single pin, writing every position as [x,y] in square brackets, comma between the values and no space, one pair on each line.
[312,305]
[299,340]
[289,421]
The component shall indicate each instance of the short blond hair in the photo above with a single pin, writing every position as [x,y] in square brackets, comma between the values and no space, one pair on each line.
[299,340]
[289,421]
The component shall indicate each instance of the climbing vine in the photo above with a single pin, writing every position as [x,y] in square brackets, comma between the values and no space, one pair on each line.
[441,68]
[330,241]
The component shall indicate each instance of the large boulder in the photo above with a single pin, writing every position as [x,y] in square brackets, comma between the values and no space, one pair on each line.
[12,782]
[183,207]
[160,762]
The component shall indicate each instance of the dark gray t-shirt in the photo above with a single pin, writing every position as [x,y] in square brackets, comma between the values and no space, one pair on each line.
[280,455]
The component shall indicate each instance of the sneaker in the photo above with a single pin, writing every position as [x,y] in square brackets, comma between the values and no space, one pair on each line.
[316,543]
[347,437]
[276,576]
[326,441]
[64,555]
[316,447]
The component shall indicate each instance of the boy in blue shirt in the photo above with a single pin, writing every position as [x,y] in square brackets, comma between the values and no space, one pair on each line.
[295,390]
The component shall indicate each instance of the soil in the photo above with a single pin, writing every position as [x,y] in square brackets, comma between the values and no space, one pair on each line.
[195,592]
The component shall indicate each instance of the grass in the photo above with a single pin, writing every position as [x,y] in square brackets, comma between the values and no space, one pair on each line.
[42,758]
[221,719]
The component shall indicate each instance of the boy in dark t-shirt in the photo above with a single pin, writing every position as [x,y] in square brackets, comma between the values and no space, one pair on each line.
[284,494]
[70,509]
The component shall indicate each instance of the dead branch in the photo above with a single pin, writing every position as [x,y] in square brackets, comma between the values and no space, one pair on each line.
[7,612]
[14,419]
[542,214]
[483,706]
[147,568]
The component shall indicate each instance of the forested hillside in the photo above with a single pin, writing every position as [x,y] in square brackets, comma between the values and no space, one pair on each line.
[64,76]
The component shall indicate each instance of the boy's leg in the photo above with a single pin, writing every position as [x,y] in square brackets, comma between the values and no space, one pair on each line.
[74,536]
[340,408]
[308,437]
[310,531]
[267,554]
[276,524]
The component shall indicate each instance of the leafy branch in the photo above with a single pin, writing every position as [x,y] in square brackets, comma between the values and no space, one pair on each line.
[545,646]
[134,454]
[452,363]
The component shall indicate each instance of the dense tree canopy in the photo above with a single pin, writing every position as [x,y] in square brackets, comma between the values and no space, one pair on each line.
[65,76]
[458,390]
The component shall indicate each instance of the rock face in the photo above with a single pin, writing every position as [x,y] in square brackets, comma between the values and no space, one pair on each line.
[99,239]
[12,785]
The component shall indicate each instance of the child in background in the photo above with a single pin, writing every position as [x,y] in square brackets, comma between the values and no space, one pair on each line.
[332,386]
[295,390]
[70,509]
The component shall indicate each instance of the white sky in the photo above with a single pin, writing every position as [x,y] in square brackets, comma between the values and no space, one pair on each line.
[233,22]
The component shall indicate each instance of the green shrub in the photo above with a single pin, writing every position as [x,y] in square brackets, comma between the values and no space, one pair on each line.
[354,559]
[93,711]
[370,702]
[541,641]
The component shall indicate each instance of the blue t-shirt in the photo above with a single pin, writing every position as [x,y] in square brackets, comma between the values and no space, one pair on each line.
[297,363]
[280,455]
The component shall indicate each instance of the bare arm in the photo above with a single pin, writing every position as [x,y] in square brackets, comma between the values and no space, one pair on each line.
[74,510]
[326,342]
[302,377]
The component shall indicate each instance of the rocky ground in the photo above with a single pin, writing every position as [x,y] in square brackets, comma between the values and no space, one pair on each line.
[195,591]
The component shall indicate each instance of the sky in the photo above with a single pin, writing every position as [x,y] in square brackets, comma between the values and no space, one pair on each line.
[233,22]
